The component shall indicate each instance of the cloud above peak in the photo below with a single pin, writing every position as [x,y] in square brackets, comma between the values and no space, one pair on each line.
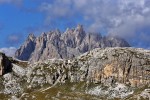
[110,13]
[127,18]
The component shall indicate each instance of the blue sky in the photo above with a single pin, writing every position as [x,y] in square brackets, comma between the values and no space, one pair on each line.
[129,19]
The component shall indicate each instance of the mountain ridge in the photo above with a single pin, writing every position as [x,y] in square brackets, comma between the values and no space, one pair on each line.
[71,43]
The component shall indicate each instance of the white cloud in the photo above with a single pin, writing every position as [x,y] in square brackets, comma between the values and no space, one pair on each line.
[110,13]
[126,18]
[8,51]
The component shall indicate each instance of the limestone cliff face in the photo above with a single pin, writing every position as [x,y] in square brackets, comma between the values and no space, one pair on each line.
[5,64]
[129,66]
[69,44]
[108,73]
[125,65]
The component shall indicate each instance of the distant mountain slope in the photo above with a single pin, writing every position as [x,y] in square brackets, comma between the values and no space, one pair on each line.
[71,43]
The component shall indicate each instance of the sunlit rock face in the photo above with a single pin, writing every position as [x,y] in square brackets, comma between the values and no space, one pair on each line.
[5,64]
[125,65]
[67,45]
[102,73]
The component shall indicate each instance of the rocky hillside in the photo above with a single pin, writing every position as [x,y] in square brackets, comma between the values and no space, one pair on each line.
[69,44]
[110,73]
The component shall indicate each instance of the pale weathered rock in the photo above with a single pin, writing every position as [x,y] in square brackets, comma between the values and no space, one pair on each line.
[25,51]
[100,66]
[71,43]
[11,84]
[110,73]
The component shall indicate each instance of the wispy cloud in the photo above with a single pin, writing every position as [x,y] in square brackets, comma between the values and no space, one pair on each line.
[127,18]
[8,51]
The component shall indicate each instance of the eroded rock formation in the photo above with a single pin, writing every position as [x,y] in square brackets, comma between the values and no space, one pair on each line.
[69,44]
[110,73]
[124,65]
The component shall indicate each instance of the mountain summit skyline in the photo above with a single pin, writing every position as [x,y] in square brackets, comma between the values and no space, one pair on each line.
[69,44]
[74,49]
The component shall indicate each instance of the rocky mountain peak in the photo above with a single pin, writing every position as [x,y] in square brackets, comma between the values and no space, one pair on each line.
[68,30]
[31,37]
[79,31]
[42,37]
[54,33]
[71,43]
[25,51]
[43,34]
[79,28]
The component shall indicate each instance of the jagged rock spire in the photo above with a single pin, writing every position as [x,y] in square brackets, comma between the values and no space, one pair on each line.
[71,43]
[31,36]
[79,27]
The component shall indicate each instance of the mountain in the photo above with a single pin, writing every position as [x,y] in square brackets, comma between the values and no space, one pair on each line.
[71,43]
[118,73]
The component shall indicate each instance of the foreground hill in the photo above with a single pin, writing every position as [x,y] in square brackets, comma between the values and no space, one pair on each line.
[69,44]
[110,73]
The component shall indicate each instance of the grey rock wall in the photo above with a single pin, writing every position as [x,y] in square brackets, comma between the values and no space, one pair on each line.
[67,45]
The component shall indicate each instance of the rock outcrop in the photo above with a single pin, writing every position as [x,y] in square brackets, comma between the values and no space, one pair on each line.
[103,73]
[69,44]
[5,64]
[25,51]
[124,65]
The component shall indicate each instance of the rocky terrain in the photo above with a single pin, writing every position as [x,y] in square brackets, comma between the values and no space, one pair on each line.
[101,74]
[5,64]
[67,45]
